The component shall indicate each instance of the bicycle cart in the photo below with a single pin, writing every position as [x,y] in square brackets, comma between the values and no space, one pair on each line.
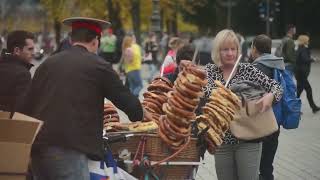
[150,158]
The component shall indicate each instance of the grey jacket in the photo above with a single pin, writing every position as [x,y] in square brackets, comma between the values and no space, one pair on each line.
[267,62]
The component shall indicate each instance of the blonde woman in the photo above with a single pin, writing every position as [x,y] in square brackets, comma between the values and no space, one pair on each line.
[302,71]
[132,64]
[235,159]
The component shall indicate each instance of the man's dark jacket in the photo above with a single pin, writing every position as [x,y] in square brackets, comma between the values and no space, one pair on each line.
[15,79]
[68,92]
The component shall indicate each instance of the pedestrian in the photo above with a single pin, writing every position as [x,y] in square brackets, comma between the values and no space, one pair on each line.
[288,49]
[266,62]
[237,159]
[67,93]
[150,57]
[132,64]
[108,46]
[169,62]
[164,44]
[302,70]
[186,52]
[15,63]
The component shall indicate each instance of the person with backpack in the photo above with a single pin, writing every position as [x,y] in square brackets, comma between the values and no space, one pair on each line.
[266,62]
[287,110]
[302,71]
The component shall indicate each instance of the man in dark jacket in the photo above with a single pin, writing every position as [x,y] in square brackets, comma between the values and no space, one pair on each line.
[288,48]
[15,64]
[266,62]
[67,93]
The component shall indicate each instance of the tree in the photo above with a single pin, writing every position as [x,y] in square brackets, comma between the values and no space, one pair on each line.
[6,8]
[202,13]
[114,13]
[56,11]
[135,15]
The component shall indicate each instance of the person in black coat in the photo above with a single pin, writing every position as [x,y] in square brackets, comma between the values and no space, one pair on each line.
[15,64]
[302,71]
[67,93]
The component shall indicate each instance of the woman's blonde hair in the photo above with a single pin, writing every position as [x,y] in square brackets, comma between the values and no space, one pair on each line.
[220,38]
[175,43]
[127,42]
[303,40]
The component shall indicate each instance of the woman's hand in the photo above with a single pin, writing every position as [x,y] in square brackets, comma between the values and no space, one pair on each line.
[265,102]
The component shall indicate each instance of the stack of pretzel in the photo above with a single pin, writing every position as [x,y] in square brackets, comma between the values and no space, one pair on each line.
[175,125]
[155,97]
[110,115]
[218,112]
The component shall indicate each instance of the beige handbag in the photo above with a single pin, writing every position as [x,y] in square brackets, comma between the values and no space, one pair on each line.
[250,123]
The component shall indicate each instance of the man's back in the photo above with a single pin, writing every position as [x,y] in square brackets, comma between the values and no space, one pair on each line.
[68,93]
[288,50]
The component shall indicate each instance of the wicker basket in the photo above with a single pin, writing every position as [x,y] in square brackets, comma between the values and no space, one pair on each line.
[158,150]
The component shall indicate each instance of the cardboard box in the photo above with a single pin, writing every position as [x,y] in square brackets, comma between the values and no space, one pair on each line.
[16,138]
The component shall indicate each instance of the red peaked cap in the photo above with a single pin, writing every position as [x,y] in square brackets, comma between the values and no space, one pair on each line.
[95,25]
[87,25]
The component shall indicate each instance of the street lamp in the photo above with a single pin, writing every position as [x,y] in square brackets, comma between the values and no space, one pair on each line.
[155,18]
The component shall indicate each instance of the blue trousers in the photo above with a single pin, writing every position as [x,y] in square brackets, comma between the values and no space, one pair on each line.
[135,82]
[56,163]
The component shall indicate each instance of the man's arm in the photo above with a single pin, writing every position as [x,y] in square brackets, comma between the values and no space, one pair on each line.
[121,96]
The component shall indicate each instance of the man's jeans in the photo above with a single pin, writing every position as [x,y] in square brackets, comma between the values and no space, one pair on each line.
[269,149]
[56,163]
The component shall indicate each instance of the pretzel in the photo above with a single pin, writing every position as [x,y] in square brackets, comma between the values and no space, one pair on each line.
[229,96]
[108,120]
[183,96]
[171,130]
[179,129]
[160,87]
[147,100]
[212,135]
[164,79]
[194,79]
[186,91]
[153,106]
[224,110]
[173,102]
[188,84]
[171,143]
[217,109]
[176,96]
[215,126]
[197,72]
[188,114]
[178,120]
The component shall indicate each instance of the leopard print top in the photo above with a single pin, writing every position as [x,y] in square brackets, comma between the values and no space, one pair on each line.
[245,71]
